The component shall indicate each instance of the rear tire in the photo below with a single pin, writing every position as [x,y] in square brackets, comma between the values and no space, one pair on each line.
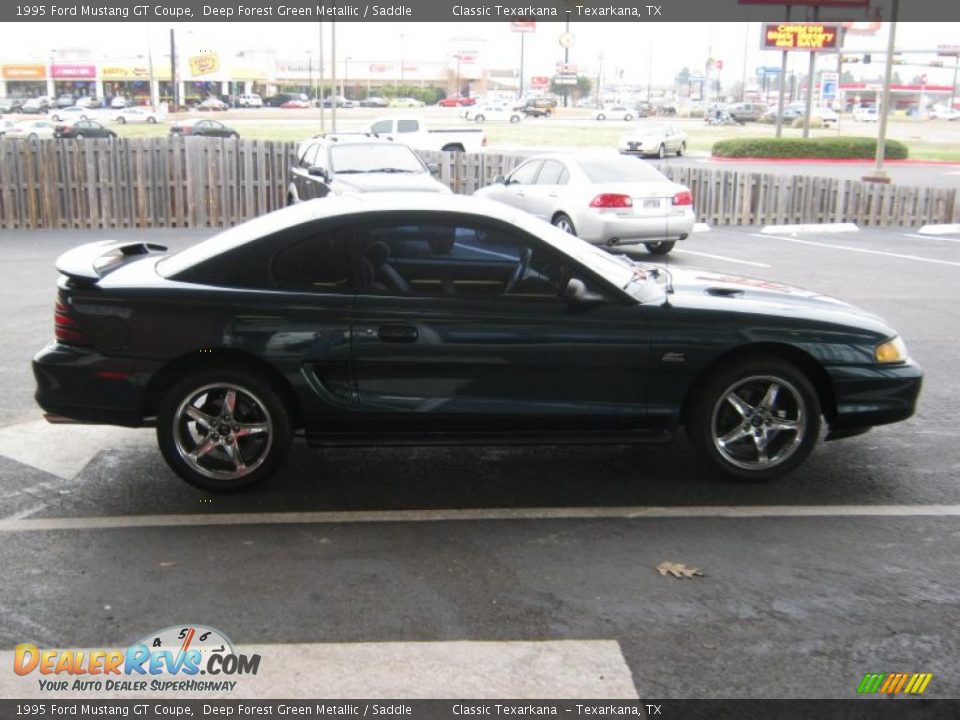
[214,447]
[747,430]
[660,248]
[682,149]
[662,151]
[563,222]
[150,121]
[601,116]
[628,117]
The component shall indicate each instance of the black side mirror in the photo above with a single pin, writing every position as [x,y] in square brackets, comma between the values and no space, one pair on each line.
[434,168]
[317,171]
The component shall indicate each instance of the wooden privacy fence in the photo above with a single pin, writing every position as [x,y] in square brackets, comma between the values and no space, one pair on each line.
[199,182]
[160,182]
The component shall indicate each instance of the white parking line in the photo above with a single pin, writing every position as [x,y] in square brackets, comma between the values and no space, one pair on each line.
[721,257]
[931,237]
[858,250]
[458,668]
[142,522]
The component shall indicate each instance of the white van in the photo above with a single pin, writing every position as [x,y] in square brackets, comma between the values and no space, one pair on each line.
[250,100]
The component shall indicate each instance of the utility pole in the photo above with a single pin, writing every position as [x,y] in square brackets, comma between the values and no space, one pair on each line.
[743,76]
[600,81]
[783,86]
[173,70]
[333,75]
[811,72]
[566,63]
[523,37]
[320,50]
[879,174]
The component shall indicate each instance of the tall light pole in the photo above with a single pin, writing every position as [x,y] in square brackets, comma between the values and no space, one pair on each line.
[401,59]
[309,73]
[346,75]
[173,70]
[879,174]
[320,50]
[333,75]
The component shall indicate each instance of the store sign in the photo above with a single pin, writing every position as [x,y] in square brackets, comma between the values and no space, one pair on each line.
[23,72]
[523,27]
[948,50]
[829,82]
[799,36]
[205,64]
[74,72]
[539,82]
[124,72]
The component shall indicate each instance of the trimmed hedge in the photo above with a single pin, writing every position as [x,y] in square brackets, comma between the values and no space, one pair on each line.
[836,148]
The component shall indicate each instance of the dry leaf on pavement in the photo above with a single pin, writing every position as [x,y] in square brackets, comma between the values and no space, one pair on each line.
[678,570]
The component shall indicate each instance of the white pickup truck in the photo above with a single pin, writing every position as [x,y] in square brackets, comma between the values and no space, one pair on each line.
[413,131]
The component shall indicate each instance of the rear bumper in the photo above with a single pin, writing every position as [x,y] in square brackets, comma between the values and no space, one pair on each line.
[605,227]
[868,396]
[80,384]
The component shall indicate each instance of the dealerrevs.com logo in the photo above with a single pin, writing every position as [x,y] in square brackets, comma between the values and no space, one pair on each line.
[190,658]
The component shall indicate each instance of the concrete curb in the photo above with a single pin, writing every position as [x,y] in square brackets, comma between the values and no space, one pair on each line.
[944,229]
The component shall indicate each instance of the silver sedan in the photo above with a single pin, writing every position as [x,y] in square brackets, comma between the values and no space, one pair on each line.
[603,199]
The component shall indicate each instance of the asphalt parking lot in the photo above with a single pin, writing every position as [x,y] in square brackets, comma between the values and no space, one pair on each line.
[511,572]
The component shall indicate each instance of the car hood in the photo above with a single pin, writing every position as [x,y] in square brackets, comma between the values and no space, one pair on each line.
[705,289]
[388,182]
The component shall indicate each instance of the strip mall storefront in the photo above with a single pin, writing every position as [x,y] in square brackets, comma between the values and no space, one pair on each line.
[23,80]
[133,82]
[75,80]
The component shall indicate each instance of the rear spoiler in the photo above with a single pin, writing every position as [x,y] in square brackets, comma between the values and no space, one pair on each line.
[88,263]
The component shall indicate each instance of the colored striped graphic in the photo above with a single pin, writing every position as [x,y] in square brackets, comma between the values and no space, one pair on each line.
[894,683]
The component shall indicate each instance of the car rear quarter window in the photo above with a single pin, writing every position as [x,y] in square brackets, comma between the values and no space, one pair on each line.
[407,126]
[319,264]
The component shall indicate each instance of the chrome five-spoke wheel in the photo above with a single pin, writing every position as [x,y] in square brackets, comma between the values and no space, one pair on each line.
[758,422]
[223,431]
[755,419]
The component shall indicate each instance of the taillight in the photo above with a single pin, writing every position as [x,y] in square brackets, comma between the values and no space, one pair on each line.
[484,141]
[611,200]
[65,327]
[684,197]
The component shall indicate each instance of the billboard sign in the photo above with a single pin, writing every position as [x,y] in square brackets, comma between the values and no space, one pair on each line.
[802,36]
[829,82]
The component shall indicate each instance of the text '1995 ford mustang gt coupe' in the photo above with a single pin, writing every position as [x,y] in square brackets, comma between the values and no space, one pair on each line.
[413,319]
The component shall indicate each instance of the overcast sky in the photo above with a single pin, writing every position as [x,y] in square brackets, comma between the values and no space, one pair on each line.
[627,46]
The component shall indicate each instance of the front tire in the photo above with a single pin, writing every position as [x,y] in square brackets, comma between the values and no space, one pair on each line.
[601,116]
[628,118]
[755,420]
[224,429]
[662,151]
[660,248]
[682,149]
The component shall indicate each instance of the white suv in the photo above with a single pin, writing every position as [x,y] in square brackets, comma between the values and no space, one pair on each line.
[250,100]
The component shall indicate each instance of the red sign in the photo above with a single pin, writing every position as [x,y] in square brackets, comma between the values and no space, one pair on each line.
[523,27]
[539,82]
[799,36]
[821,3]
[72,72]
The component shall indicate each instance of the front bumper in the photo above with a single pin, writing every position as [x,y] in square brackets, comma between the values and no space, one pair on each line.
[80,384]
[877,395]
[611,227]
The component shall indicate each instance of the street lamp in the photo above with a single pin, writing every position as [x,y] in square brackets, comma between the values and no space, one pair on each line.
[401,58]
[346,74]
[309,73]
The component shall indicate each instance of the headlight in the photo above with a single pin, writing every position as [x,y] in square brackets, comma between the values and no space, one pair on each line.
[891,351]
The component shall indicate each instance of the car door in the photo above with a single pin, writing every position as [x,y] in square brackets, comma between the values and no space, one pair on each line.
[449,335]
[542,197]
[517,186]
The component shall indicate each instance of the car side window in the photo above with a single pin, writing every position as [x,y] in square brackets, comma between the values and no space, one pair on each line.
[457,259]
[526,174]
[318,264]
[551,173]
[407,126]
[309,157]
[381,127]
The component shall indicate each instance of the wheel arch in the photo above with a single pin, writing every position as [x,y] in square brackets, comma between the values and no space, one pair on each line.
[802,360]
[200,360]
[452,147]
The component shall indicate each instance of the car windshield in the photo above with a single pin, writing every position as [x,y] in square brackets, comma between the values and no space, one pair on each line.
[650,129]
[636,279]
[374,157]
[619,169]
